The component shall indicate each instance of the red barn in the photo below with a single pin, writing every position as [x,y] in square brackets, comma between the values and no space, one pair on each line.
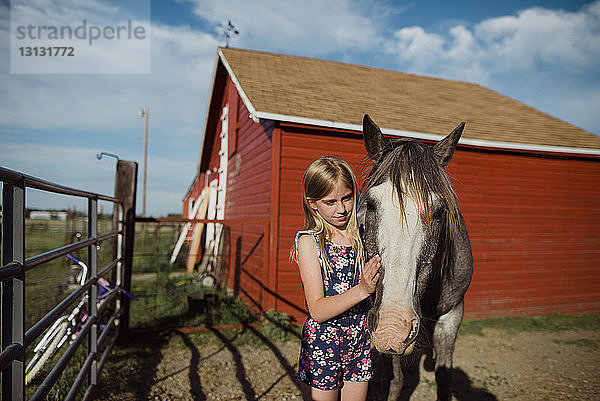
[528,183]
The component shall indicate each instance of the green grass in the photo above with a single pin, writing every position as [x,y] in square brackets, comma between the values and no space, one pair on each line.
[163,304]
[153,247]
[37,242]
[62,387]
[554,322]
[583,342]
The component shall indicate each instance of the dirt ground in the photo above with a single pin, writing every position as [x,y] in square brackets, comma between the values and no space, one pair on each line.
[496,366]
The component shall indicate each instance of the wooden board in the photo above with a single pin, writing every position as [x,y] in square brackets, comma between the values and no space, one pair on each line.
[197,233]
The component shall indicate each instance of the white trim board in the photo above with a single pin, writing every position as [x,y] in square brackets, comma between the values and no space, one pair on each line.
[432,137]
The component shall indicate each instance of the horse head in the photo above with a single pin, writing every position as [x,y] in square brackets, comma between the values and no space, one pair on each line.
[411,219]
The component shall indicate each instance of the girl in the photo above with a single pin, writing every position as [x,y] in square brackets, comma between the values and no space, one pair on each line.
[335,358]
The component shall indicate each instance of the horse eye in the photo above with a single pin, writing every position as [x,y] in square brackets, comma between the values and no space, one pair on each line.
[438,212]
[370,205]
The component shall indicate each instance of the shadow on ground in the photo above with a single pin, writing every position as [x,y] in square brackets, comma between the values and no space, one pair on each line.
[250,393]
[137,358]
[464,390]
[379,387]
[134,359]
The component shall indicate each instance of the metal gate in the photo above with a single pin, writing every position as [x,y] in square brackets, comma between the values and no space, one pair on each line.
[15,339]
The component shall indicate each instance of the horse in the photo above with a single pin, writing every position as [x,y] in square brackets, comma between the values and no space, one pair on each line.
[410,216]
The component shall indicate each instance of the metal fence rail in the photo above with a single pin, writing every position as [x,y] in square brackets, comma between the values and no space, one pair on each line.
[12,275]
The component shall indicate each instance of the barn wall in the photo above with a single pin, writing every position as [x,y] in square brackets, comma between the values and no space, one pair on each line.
[298,150]
[193,194]
[533,223]
[248,200]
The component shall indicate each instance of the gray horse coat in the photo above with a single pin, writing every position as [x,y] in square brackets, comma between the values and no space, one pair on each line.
[411,218]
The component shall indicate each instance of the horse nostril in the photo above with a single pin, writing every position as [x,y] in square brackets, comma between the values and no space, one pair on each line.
[414,330]
[415,325]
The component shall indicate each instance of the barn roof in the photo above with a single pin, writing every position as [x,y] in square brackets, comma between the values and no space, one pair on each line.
[326,93]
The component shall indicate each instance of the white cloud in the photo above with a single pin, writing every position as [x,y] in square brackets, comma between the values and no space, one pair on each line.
[545,58]
[553,37]
[535,35]
[415,45]
[316,27]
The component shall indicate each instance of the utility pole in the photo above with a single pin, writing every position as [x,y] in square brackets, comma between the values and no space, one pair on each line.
[144,114]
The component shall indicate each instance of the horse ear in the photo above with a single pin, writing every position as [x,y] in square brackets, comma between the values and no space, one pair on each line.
[373,138]
[444,149]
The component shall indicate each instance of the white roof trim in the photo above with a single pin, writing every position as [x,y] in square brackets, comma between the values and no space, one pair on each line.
[254,114]
[247,102]
[526,146]
[432,137]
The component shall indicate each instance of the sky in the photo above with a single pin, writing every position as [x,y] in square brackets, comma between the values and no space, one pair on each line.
[55,119]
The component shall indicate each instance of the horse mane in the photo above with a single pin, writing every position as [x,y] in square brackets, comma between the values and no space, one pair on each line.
[413,168]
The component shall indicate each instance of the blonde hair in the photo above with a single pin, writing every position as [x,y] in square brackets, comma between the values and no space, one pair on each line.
[318,181]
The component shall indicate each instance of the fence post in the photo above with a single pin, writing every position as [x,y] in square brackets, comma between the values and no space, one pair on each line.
[125,191]
[92,338]
[13,289]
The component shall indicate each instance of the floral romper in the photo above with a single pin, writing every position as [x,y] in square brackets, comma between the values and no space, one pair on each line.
[338,349]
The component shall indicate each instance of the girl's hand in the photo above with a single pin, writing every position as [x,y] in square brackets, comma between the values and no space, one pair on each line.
[370,275]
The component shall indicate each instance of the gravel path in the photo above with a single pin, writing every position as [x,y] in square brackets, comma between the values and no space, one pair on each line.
[496,366]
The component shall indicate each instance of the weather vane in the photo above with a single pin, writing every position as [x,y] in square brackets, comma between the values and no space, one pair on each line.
[228,31]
